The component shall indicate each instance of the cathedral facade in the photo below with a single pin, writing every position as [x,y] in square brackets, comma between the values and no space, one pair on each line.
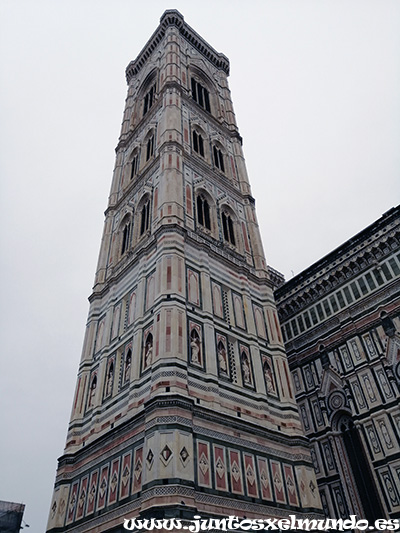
[184,402]
[341,321]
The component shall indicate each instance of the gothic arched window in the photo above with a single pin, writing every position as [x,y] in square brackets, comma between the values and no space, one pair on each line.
[134,165]
[227,228]
[218,159]
[145,217]
[200,95]
[126,233]
[198,143]
[149,99]
[203,212]
[150,147]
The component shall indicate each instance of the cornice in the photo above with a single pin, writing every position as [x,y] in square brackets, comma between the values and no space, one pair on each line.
[366,247]
[172,17]
[356,258]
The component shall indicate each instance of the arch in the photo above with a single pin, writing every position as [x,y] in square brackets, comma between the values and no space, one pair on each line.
[198,141]
[205,211]
[147,94]
[149,82]
[127,366]
[92,391]
[353,446]
[133,162]
[228,225]
[246,369]
[202,88]
[195,347]
[149,145]
[143,216]
[218,156]
[222,357]
[148,350]
[124,234]
[109,380]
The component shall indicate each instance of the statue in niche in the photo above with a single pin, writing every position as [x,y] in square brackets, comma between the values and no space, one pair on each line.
[269,380]
[222,358]
[148,352]
[110,377]
[92,392]
[195,347]
[127,370]
[246,369]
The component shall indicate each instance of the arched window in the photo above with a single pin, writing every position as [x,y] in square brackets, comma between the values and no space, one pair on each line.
[145,217]
[200,95]
[218,159]
[126,233]
[203,212]
[134,165]
[149,99]
[198,143]
[227,228]
[150,147]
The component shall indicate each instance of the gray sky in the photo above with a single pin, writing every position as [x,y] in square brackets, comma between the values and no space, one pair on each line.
[315,85]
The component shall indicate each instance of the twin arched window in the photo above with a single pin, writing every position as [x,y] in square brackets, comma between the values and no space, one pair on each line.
[145,217]
[150,147]
[198,143]
[126,234]
[203,212]
[200,95]
[227,228]
[134,165]
[149,99]
[218,159]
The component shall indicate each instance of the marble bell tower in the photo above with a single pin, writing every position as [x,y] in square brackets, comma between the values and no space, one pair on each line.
[184,403]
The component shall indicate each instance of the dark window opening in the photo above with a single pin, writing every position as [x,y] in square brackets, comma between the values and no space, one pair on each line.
[370,281]
[134,165]
[125,238]
[218,159]
[328,311]
[203,212]
[355,290]
[150,148]
[145,217]
[394,266]
[378,276]
[363,287]
[200,95]
[149,99]
[198,143]
[227,227]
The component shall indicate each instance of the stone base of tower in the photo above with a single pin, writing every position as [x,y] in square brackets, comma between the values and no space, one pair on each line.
[178,459]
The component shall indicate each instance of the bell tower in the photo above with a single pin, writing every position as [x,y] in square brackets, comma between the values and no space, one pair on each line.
[183,403]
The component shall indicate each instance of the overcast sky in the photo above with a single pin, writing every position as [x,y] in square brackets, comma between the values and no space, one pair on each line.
[315,86]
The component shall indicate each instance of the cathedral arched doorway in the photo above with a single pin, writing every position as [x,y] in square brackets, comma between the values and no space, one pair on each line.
[359,468]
